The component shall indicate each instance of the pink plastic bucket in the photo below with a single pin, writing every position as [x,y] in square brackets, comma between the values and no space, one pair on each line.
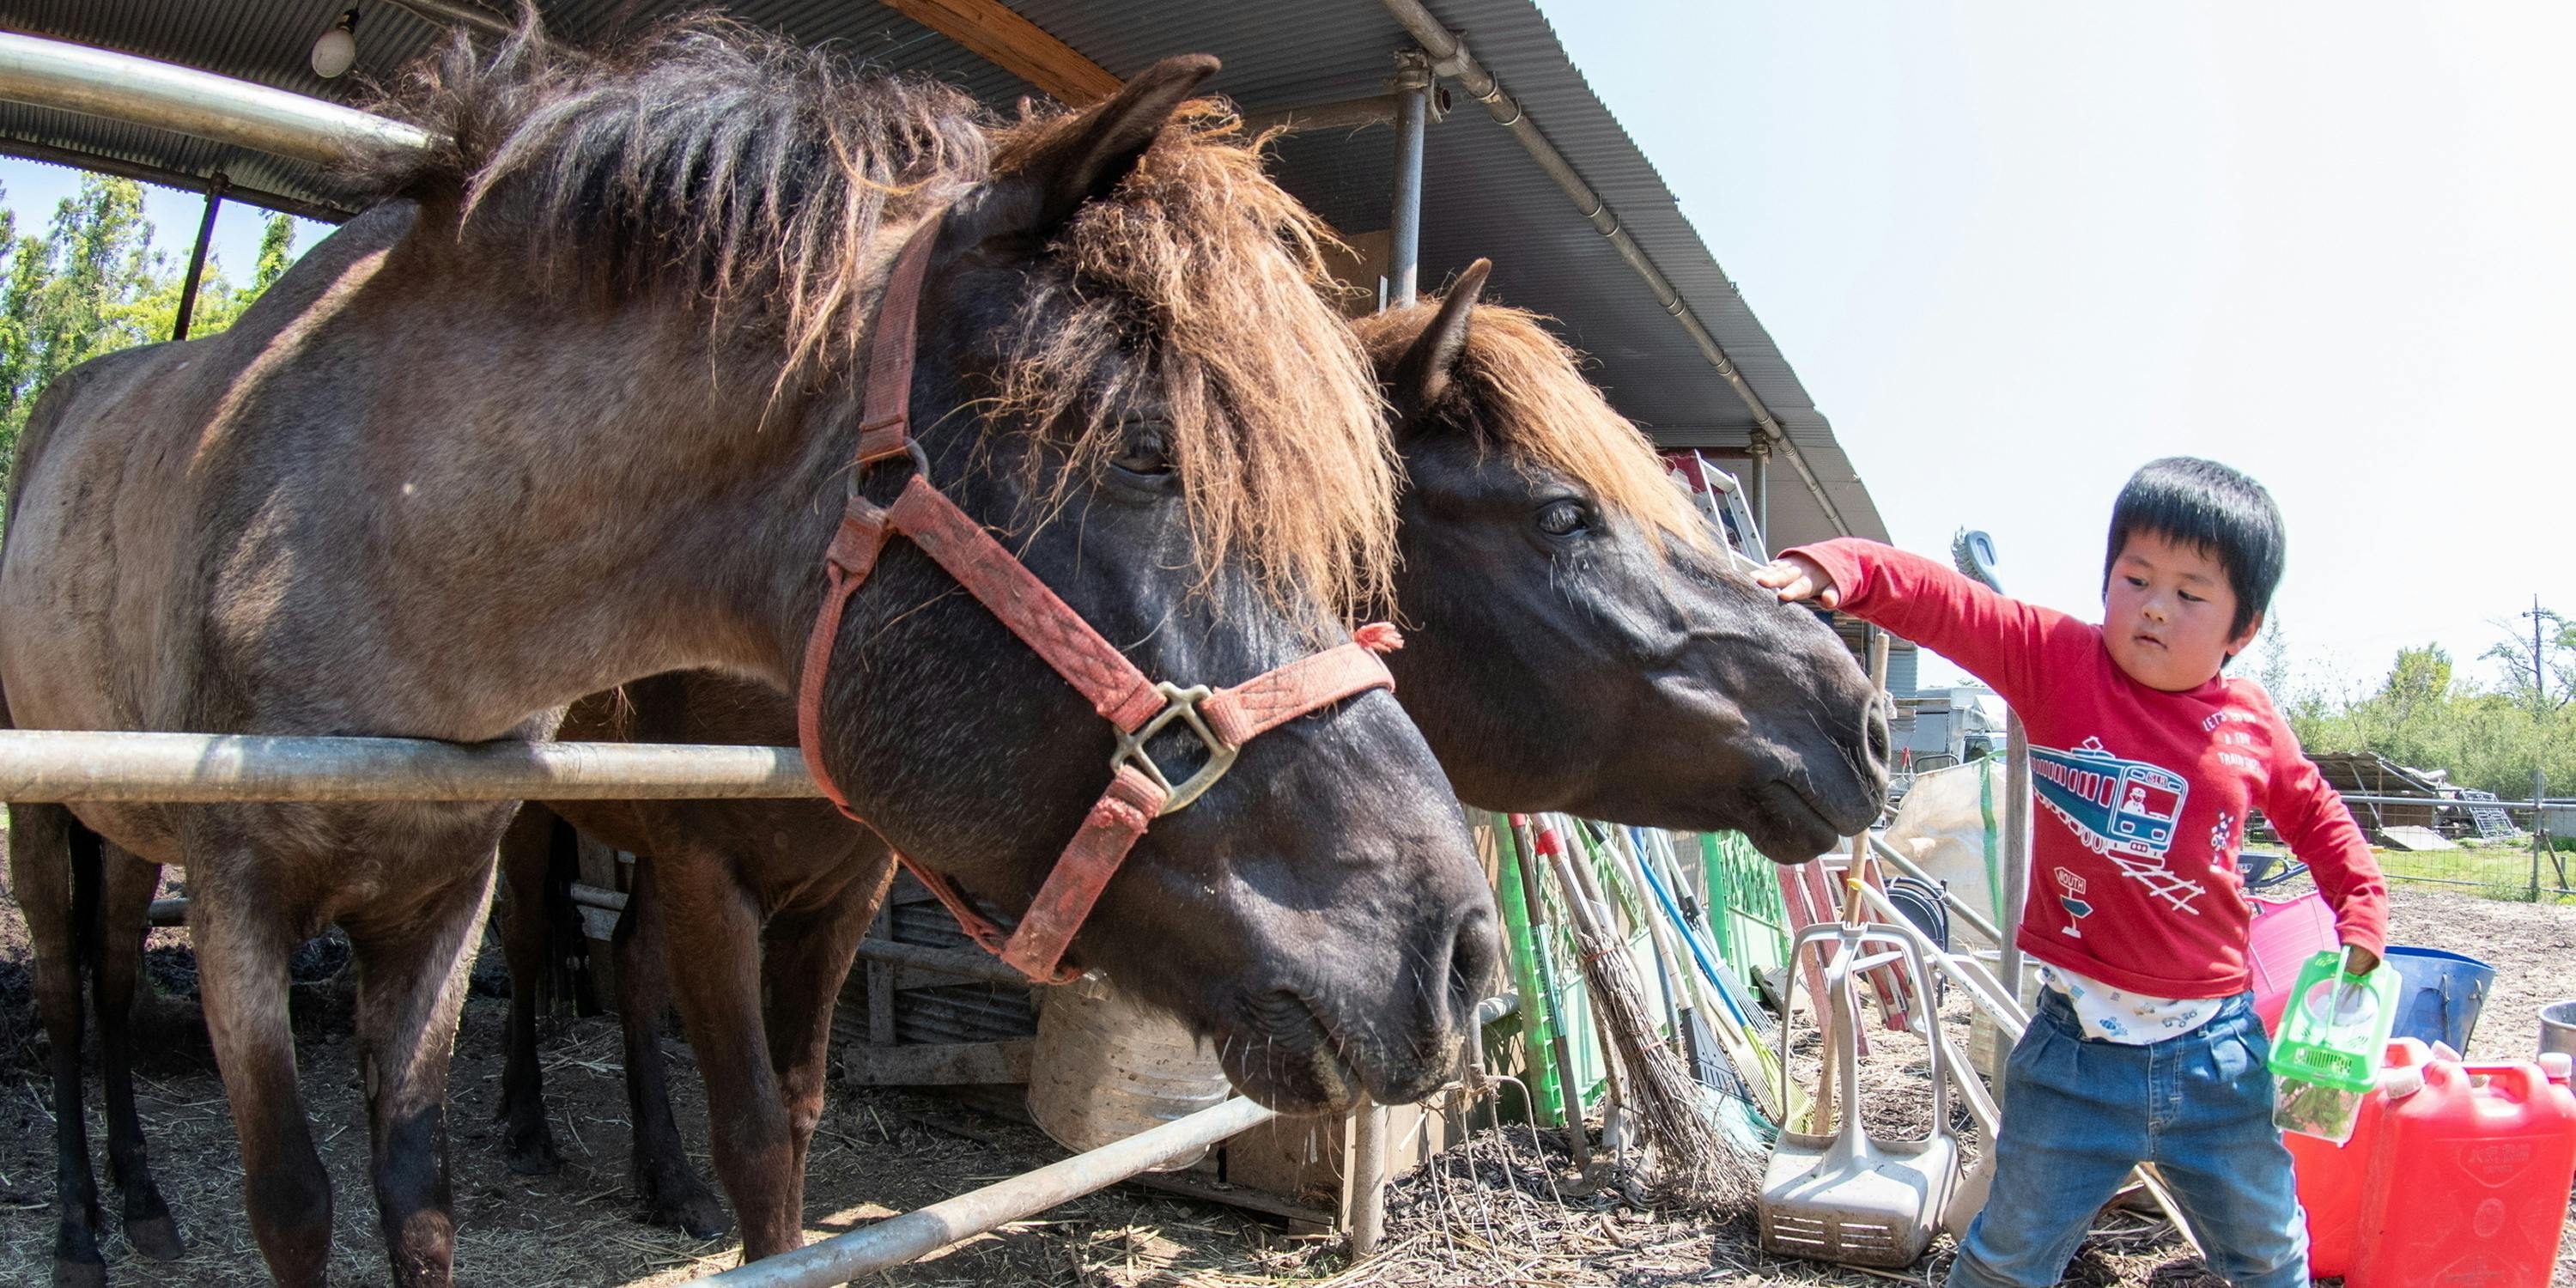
[2284,936]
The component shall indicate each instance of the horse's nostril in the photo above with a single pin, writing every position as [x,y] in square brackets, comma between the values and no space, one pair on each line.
[1875,732]
[1474,961]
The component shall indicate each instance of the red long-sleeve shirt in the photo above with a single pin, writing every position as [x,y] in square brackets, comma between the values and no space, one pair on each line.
[2141,795]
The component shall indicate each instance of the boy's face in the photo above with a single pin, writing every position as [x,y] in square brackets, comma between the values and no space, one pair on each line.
[2167,612]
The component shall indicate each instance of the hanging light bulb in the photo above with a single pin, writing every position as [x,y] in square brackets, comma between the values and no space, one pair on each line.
[336,50]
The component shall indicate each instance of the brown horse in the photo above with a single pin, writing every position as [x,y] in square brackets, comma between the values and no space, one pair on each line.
[1578,645]
[577,404]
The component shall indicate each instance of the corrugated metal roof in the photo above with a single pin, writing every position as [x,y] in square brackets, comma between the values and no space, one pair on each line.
[1483,195]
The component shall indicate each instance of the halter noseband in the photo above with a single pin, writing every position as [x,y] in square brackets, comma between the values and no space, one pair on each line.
[1139,791]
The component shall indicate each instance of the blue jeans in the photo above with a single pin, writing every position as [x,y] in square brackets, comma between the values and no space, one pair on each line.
[2080,1112]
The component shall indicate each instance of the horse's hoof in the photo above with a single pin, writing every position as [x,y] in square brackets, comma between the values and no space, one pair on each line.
[699,1215]
[156,1237]
[79,1274]
[538,1159]
[702,1218]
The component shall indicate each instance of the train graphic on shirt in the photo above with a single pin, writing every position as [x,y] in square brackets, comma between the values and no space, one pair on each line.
[2127,811]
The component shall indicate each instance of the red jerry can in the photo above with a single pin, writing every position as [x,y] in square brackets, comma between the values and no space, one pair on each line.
[2333,1179]
[2468,1183]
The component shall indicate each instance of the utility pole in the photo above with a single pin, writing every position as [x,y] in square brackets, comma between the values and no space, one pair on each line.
[2539,711]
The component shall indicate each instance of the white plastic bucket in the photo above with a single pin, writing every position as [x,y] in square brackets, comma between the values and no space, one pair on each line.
[1105,1068]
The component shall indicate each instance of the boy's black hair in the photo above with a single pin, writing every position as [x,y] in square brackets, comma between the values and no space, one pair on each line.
[2189,501]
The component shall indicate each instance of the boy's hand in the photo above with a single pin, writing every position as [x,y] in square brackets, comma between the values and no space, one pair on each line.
[1796,578]
[2358,960]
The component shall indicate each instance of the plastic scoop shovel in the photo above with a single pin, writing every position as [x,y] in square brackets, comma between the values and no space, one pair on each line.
[1851,1196]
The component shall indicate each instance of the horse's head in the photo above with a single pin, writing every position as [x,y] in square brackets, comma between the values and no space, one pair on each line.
[1578,640]
[1123,370]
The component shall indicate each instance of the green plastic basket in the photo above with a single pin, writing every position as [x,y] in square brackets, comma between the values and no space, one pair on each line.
[2326,1057]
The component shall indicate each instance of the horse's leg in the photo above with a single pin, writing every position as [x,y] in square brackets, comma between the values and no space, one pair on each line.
[57,889]
[805,964]
[124,910]
[411,985]
[527,851]
[716,930]
[672,1193]
[244,929]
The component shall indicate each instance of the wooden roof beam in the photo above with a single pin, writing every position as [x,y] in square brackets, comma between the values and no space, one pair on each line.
[994,32]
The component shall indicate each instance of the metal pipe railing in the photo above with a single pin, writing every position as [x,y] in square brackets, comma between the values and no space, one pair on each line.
[2016,852]
[1984,990]
[917,1234]
[1958,907]
[45,765]
[143,91]
[1404,226]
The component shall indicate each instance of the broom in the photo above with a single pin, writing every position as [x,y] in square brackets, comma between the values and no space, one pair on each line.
[1616,1127]
[1696,1165]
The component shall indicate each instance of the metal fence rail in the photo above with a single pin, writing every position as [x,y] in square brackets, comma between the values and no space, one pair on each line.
[917,1234]
[43,765]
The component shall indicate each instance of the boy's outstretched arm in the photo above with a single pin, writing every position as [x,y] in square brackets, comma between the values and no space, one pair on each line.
[1998,639]
[2313,819]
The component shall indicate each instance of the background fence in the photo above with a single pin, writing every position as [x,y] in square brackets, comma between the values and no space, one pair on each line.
[2502,863]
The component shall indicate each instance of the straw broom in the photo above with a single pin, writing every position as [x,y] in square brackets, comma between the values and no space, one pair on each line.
[1695,1165]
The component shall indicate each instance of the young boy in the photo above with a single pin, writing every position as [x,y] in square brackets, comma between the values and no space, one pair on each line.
[2145,763]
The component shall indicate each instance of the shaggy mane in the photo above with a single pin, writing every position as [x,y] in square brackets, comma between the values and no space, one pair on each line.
[1524,396]
[769,184]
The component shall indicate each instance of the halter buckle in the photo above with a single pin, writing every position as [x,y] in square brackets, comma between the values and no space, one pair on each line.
[1180,704]
[859,467]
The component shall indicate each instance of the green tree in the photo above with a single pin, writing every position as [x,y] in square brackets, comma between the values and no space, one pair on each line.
[75,293]
[2425,714]
[219,303]
[94,283]
[276,253]
[2419,681]
[2539,669]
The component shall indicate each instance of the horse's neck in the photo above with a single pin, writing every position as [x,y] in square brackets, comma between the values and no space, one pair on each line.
[691,539]
[604,499]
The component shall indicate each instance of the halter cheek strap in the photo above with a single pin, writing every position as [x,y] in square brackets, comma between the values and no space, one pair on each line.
[1138,791]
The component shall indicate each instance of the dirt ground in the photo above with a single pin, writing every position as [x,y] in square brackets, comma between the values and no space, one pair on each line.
[1485,1213]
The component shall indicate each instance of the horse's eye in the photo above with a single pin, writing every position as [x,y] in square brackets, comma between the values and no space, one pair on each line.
[1561,518]
[1145,454]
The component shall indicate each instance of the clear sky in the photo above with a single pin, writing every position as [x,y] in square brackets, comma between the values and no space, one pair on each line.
[2015,250]
[32,189]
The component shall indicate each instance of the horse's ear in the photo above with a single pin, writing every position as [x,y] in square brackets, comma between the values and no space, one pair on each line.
[1422,375]
[1091,158]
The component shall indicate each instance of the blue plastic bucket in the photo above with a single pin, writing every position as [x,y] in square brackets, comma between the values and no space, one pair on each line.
[2441,996]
